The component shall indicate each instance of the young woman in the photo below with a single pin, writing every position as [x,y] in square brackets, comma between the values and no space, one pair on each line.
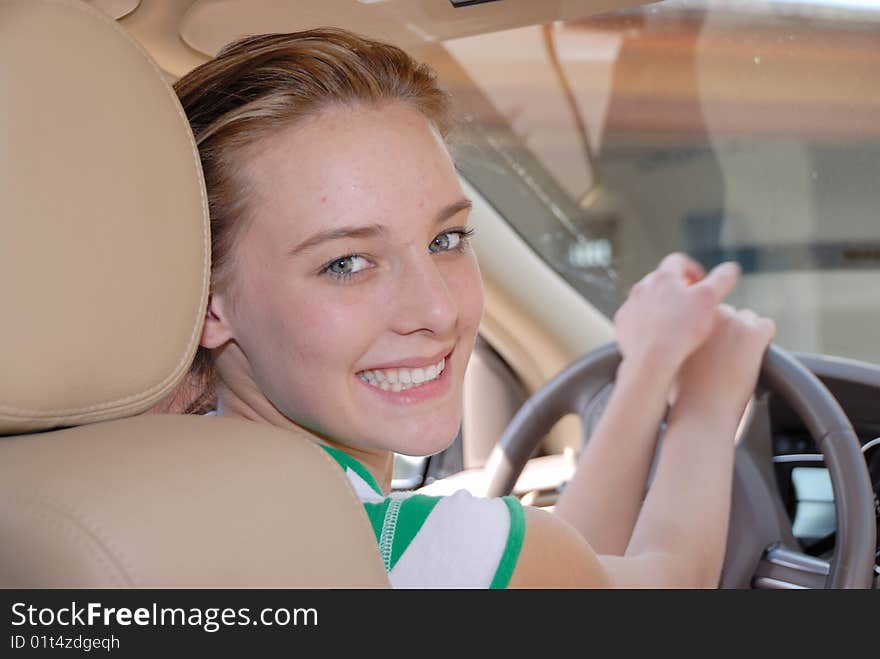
[345,302]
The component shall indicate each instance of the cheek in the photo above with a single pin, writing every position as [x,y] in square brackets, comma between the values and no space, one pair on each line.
[275,327]
[319,334]
[468,285]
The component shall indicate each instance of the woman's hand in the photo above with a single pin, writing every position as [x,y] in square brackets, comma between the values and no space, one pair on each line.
[680,536]
[671,312]
[667,316]
[720,376]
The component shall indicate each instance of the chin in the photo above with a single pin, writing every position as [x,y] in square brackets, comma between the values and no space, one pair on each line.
[421,443]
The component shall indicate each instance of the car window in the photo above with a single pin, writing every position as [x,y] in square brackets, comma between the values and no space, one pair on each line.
[742,130]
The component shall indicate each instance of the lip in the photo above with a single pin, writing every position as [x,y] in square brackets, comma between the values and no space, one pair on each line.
[413,362]
[421,394]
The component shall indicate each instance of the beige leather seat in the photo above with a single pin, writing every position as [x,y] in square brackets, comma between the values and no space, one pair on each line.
[104,262]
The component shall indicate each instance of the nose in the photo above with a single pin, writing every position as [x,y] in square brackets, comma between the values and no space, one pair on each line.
[422,299]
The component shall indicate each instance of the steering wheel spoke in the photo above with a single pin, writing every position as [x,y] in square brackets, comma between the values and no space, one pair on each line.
[754,445]
[758,519]
[784,569]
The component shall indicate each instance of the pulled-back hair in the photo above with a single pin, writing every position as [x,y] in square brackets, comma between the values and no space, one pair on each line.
[261,84]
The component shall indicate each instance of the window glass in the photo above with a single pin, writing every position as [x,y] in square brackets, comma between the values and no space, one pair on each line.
[729,129]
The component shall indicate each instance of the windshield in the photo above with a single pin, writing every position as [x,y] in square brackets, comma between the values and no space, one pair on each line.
[745,130]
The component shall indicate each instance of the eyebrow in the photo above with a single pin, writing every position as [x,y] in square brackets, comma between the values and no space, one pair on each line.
[372,230]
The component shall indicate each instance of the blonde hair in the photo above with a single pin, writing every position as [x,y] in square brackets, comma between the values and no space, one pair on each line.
[261,84]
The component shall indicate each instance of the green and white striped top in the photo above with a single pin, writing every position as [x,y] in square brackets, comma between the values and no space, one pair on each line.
[457,541]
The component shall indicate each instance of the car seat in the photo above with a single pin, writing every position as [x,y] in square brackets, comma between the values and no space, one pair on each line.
[104,273]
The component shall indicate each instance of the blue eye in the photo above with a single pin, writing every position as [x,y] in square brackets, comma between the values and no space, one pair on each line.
[455,239]
[346,266]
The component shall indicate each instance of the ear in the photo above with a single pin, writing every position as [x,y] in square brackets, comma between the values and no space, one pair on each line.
[216,330]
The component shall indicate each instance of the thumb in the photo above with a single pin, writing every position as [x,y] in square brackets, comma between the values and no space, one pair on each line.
[721,280]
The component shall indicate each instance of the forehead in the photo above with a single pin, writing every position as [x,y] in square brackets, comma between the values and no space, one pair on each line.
[368,164]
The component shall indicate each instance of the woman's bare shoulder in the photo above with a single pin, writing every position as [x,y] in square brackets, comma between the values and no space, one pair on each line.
[555,555]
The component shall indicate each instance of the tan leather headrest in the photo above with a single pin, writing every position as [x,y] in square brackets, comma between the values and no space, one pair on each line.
[104,255]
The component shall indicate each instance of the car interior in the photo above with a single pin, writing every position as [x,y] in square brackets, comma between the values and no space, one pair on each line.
[658,130]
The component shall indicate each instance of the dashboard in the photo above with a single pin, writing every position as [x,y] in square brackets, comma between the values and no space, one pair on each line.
[803,481]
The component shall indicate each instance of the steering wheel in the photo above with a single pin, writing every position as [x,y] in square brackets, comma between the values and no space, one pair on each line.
[761,549]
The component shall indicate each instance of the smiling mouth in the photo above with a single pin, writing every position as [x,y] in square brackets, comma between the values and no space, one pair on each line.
[401,379]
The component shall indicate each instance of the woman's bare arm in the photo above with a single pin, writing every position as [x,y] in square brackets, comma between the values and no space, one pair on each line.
[603,498]
[663,321]
[688,506]
[680,535]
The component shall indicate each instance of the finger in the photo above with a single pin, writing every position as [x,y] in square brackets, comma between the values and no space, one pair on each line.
[764,328]
[721,280]
[683,266]
[644,282]
[768,326]
[636,288]
[749,316]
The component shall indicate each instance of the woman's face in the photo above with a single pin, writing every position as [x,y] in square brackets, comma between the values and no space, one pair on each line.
[354,298]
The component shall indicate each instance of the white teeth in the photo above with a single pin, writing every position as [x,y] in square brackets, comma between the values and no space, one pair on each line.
[401,379]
